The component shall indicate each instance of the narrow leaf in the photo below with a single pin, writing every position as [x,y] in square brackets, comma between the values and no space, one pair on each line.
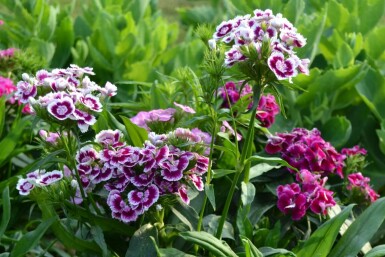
[209,191]
[360,231]
[322,240]
[250,248]
[31,239]
[378,251]
[207,241]
[6,211]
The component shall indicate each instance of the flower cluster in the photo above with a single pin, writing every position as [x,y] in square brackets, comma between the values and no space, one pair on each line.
[267,108]
[137,177]
[308,193]
[355,159]
[6,53]
[359,183]
[263,37]
[38,178]
[65,94]
[161,120]
[304,149]
[7,88]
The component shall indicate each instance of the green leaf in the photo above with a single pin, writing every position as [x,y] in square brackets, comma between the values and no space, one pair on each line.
[64,39]
[344,56]
[218,173]
[322,240]
[168,252]
[374,42]
[31,239]
[210,224]
[207,241]
[248,193]
[136,134]
[360,231]
[2,113]
[97,234]
[8,144]
[372,91]
[250,249]
[141,244]
[261,168]
[6,211]
[138,9]
[270,160]
[209,191]
[268,251]
[186,214]
[378,251]
[337,131]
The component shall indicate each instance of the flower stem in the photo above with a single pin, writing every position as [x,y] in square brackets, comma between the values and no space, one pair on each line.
[246,152]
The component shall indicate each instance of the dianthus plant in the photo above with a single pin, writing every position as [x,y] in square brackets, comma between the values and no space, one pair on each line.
[65,96]
[261,47]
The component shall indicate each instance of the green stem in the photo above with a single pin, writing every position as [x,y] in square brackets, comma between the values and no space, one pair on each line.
[246,152]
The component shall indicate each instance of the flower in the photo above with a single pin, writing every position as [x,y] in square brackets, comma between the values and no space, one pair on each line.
[360,183]
[65,94]
[263,38]
[7,53]
[185,108]
[38,178]
[304,149]
[7,88]
[144,119]
[137,177]
[267,110]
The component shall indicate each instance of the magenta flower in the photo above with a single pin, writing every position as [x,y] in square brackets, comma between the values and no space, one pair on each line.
[282,68]
[233,56]
[304,149]
[360,183]
[267,110]
[292,201]
[109,138]
[49,137]
[7,53]
[38,178]
[144,198]
[355,150]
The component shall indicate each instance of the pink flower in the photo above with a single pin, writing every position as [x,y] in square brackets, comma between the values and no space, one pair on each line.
[7,88]
[143,119]
[354,151]
[184,108]
[7,53]
[50,137]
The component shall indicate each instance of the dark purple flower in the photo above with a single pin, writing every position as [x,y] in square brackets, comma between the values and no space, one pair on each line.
[61,109]
[282,68]
[109,137]
[86,155]
[145,198]
[223,29]
[25,90]
[292,201]
[233,56]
